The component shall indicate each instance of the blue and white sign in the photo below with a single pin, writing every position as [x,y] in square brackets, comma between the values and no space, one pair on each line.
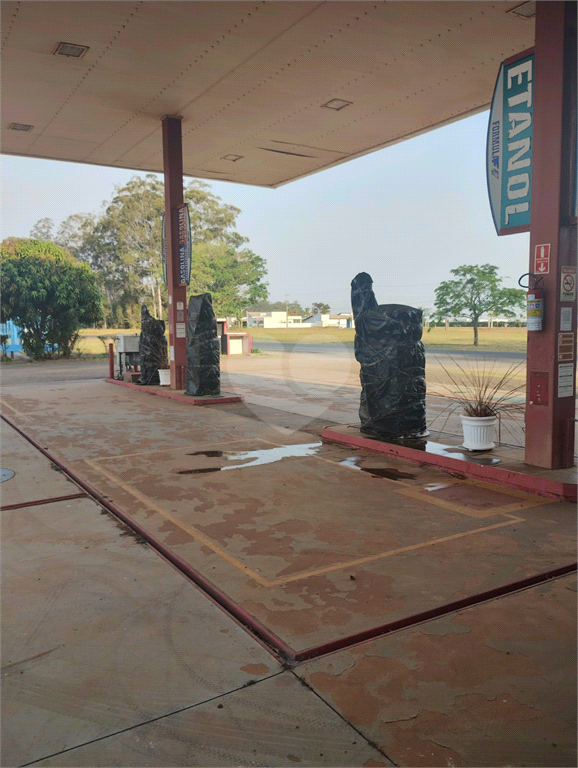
[509,145]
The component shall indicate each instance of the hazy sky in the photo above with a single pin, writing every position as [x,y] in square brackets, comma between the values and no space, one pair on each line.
[407,214]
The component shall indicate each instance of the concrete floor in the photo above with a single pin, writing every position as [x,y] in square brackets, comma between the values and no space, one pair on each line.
[112,658]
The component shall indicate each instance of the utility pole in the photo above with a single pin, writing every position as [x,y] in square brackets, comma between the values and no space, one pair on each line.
[286,310]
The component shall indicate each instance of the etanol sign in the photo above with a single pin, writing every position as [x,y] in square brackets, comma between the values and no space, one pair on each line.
[509,145]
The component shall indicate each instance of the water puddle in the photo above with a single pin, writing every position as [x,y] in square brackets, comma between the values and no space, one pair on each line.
[253,458]
[456,452]
[391,473]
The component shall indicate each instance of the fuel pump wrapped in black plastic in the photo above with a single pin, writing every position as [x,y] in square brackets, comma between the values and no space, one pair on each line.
[388,346]
[203,355]
[152,347]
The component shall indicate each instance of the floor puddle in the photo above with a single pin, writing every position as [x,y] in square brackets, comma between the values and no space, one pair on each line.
[253,458]
[389,472]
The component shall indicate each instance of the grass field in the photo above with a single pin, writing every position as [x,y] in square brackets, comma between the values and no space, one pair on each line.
[490,339]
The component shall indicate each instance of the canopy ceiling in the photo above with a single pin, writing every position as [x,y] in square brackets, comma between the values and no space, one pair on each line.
[250,79]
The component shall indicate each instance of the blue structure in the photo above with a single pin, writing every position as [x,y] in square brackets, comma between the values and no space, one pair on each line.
[14,336]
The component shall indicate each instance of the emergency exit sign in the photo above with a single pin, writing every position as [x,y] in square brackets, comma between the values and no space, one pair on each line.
[542,259]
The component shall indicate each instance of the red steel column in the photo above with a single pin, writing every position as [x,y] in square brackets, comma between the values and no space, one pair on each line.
[174,196]
[550,414]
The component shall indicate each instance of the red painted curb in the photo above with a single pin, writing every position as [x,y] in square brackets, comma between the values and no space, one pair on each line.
[543,486]
[189,399]
[43,501]
[433,613]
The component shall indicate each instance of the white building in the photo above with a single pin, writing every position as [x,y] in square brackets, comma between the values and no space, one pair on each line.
[342,320]
[274,320]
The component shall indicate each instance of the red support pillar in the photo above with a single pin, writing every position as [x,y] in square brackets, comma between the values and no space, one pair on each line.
[174,197]
[551,352]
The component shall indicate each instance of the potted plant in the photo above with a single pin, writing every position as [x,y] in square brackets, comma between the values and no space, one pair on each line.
[153,360]
[483,392]
[164,371]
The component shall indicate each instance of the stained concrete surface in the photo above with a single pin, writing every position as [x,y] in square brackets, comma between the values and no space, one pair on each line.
[83,423]
[35,483]
[493,685]
[276,721]
[311,547]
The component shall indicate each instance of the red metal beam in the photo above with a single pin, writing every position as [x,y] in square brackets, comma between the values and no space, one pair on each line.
[550,416]
[174,197]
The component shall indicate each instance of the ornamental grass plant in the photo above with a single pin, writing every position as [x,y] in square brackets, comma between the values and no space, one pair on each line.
[482,389]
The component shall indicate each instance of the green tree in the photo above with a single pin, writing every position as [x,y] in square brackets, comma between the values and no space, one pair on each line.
[319,306]
[293,307]
[48,294]
[233,278]
[124,247]
[42,230]
[72,232]
[477,290]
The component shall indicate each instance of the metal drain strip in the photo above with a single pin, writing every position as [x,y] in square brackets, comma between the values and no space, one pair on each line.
[269,640]
[42,501]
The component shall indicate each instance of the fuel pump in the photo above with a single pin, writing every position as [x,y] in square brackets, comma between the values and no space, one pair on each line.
[534,301]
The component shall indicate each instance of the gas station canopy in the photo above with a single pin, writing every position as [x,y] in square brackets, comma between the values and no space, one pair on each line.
[268,91]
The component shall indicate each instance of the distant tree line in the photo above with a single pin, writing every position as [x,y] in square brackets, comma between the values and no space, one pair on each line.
[123,247]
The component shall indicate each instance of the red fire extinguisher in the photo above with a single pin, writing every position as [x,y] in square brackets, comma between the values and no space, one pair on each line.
[534,302]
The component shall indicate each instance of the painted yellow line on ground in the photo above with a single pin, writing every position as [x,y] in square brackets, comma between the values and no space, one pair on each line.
[193,532]
[5,404]
[412,547]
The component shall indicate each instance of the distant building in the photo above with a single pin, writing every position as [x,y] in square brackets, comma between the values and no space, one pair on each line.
[13,336]
[342,320]
[274,320]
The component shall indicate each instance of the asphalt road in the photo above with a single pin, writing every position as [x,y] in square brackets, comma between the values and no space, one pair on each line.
[347,350]
[79,370]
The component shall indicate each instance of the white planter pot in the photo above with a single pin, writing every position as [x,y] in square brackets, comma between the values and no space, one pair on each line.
[165,377]
[478,432]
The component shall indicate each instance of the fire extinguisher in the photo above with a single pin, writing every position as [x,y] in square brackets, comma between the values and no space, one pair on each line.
[534,302]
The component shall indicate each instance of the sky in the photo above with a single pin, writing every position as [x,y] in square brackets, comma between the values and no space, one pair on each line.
[406,214]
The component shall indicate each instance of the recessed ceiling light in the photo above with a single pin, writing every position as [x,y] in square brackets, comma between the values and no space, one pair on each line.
[71,49]
[20,127]
[526,10]
[232,158]
[337,104]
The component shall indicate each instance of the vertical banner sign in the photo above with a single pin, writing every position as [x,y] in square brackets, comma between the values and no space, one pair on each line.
[184,224]
[509,145]
[164,248]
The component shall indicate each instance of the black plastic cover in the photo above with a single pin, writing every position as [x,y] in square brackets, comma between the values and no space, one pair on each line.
[203,354]
[152,347]
[388,346]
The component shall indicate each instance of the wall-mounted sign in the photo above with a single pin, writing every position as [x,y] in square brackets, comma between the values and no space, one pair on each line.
[566,380]
[542,259]
[509,145]
[565,346]
[568,284]
[164,249]
[184,239]
[184,225]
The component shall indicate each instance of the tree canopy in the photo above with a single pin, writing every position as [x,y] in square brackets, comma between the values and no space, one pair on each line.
[48,294]
[477,290]
[123,246]
[319,306]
